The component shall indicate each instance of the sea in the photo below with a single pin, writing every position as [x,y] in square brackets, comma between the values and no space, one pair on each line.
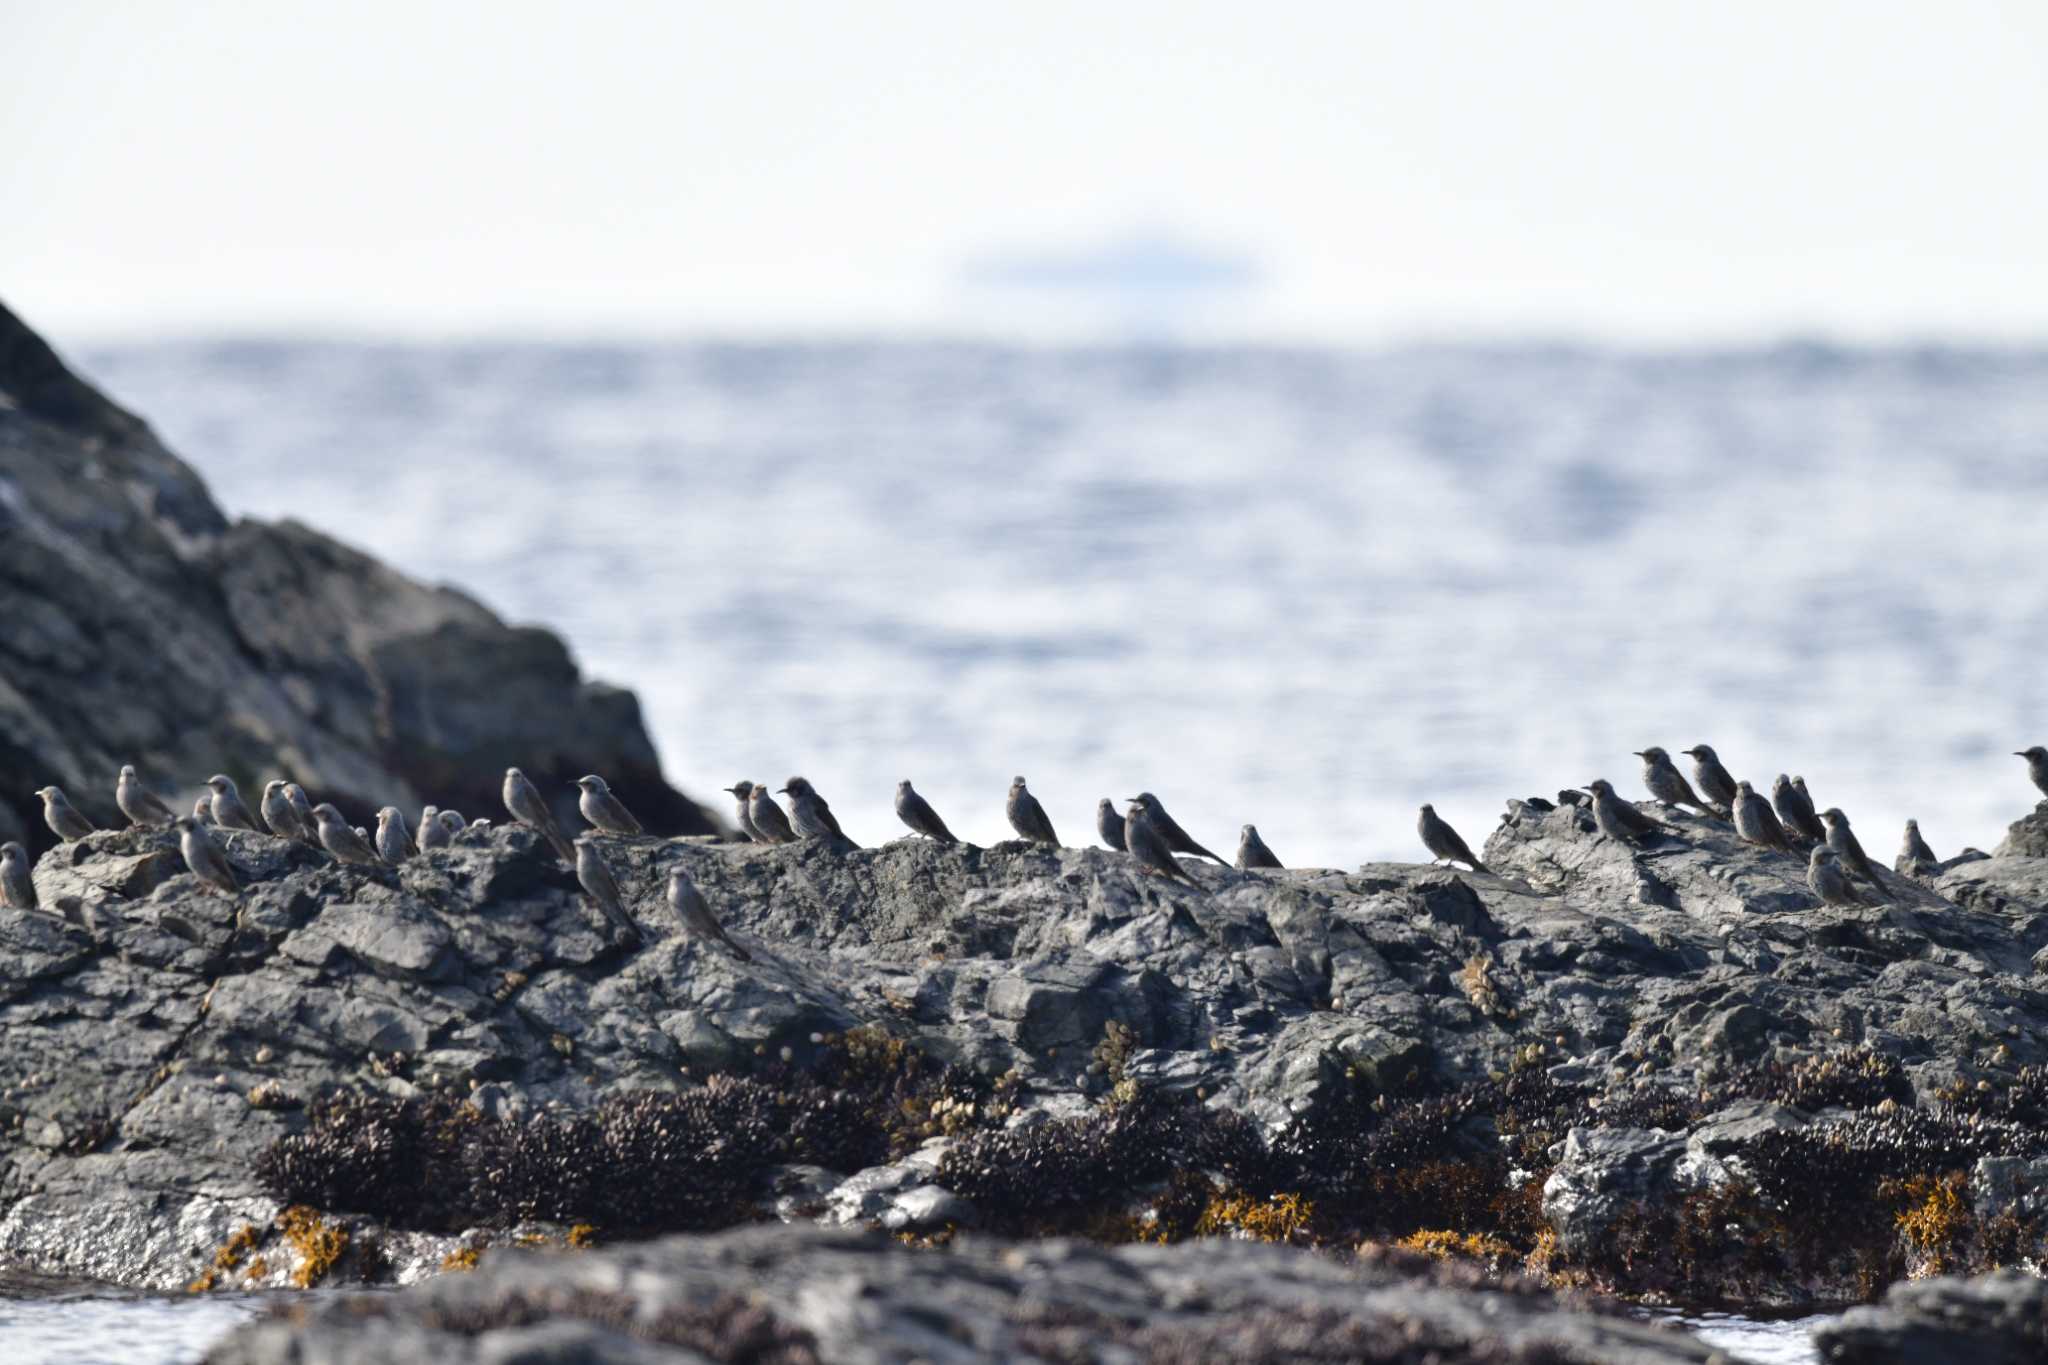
[1306,589]
[1302,589]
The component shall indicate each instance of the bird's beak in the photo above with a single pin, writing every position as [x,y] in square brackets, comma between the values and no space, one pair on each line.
[2019,753]
[1638,753]
[782,791]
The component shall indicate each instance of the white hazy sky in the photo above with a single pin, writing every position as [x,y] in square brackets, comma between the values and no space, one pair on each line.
[1613,167]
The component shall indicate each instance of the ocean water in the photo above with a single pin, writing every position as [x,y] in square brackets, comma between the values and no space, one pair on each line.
[62,1322]
[1304,589]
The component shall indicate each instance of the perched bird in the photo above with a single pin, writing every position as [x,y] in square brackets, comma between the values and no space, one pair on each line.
[771,826]
[1027,817]
[1176,838]
[303,808]
[603,810]
[1442,841]
[452,821]
[340,839]
[141,805]
[1714,782]
[1824,877]
[1795,812]
[523,800]
[1668,785]
[277,810]
[62,817]
[741,790]
[433,834]
[202,809]
[1754,820]
[916,812]
[17,888]
[203,857]
[2037,765]
[1847,848]
[394,840]
[1252,851]
[1619,820]
[598,883]
[809,816]
[688,903]
[477,826]
[1915,849]
[1799,785]
[1144,842]
[1109,825]
[228,810]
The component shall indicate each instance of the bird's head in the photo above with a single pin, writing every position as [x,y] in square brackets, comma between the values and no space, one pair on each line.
[221,784]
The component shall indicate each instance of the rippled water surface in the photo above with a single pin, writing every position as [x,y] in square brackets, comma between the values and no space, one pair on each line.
[1305,589]
[1754,1341]
[57,1322]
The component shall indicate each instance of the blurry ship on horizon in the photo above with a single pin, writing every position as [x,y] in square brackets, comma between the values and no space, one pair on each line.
[1148,283]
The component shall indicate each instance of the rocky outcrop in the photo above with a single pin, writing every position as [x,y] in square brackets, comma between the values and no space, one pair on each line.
[2028,836]
[141,626]
[1999,1319]
[1572,1050]
[787,1295]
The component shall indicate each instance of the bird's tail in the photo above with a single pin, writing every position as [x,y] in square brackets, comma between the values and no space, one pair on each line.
[563,847]
[741,953]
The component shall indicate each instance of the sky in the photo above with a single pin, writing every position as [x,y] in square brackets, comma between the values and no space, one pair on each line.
[1606,168]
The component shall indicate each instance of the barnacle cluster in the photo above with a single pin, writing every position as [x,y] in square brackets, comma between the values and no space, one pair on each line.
[641,1161]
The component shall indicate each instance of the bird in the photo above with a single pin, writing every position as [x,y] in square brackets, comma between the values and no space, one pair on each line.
[340,839]
[1668,785]
[1176,838]
[1754,820]
[809,816]
[1619,820]
[1027,817]
[1824,876]
[1144,842]
[1109,825]
[603,810]
[303,808]
[1252,851]
[916,812]
[597,881]
[1713,780]
[62,817]
[2037,765]
[524,802]
[277,810]
[688,903]
[202,809]
[1796,812]
[741,790]
[1442,841]
[17,888]
[432,833]
[141,805]
[394,840]
[228,810]
[1799,785]
[1843,842]
[203,857]
[477,826]
[1915,849]
[452,821]
[770,824]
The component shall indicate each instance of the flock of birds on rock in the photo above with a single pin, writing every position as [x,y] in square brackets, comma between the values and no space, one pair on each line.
[1787,822]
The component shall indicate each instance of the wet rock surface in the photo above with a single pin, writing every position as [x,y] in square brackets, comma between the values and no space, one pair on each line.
[144,627]
[1998,1319]
[1666,1046]
[792,1295]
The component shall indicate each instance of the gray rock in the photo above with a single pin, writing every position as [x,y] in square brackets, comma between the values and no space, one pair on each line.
[1996,1319]
[2027,837]
[854,1297]
[270,648]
